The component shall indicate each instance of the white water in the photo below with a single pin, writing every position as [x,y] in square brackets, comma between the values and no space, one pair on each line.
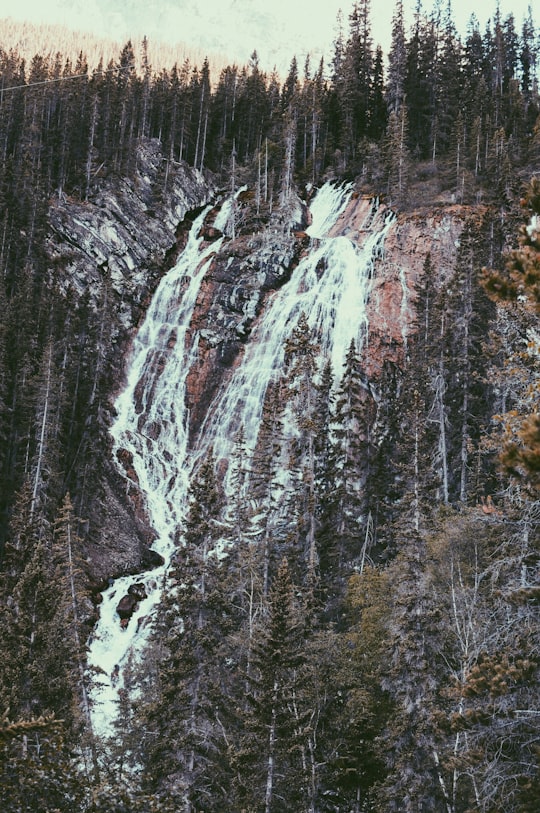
[151,424]
[330,285]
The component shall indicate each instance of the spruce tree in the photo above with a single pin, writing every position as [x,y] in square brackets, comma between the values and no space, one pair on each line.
[352,432]
[412,738]
[397,60]
[183,755]
[271,770]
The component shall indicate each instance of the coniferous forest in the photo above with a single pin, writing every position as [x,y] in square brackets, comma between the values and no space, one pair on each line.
[378,648]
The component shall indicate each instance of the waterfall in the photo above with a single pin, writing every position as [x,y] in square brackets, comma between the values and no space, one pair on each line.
[330,285]
[151,426]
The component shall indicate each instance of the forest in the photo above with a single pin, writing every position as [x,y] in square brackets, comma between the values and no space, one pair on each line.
[378,649]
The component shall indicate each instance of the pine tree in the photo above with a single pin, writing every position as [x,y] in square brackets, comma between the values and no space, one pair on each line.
[412,740]
[519,283]
[357,78]
[271,769]
[397,59]
[490,673]
[307,406]
[184,754]
[358,706]
[397,157]
[68,575]
[265,489]
[43,470]
[468,316]
[37,771]
[420,85]
[352,427]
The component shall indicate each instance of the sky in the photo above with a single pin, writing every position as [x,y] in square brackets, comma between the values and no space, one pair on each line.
[278,29]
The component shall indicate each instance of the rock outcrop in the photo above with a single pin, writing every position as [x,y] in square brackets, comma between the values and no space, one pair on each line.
[112,249]
[123,236]
[128,235]
[397,270]
[231,296]
[245,272]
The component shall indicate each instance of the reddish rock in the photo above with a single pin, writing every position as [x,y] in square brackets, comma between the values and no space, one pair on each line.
[210,233]
[391,303]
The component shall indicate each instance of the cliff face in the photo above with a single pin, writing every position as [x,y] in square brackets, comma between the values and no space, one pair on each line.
[127,237]
[246,271]
[243,274]
[112,250]
[391,304]
[124,236]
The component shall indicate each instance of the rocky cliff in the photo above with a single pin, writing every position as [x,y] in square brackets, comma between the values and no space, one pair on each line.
[127,236]
[112,250]
[247,270]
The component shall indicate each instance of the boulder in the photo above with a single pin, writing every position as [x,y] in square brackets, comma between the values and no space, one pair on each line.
[137,591]
[126,606]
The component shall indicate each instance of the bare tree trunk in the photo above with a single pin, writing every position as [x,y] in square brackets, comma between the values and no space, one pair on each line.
[43,432]
[270,765]
[199,128]
[467,295]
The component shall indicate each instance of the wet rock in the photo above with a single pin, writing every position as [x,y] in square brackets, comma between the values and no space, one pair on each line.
[112,249]
[138,591]
[123,234]
[128,603]
[126,606]
[151,559]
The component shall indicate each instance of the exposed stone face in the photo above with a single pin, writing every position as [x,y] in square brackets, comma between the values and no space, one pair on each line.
[392,294]
[230,297]
[246,270]
[115,247]
[123,235]
[391,304]
[129,235]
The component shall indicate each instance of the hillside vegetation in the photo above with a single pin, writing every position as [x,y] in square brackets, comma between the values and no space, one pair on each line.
[378,649]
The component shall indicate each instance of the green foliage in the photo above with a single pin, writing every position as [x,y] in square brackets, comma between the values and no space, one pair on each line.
[37,771]
[272,683]
[518,287]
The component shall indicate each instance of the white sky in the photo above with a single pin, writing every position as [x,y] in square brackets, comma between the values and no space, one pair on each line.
[277,28]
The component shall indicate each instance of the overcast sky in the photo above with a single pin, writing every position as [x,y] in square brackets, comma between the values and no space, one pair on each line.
[277,28]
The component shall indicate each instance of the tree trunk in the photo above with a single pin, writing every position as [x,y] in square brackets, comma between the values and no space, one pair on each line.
[270,765]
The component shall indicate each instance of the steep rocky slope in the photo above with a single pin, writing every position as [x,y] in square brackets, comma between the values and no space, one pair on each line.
[246,271]
[112,250]
[122,241]
[126,232]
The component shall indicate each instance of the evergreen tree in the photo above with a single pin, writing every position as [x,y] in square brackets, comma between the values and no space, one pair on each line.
[307,406]
[183,756]
[356,762]
[397,157]
[412,738]
[266,490]
[37,771]
[353,423]
[468,315]
[519,283]
[357,77]
[271,770]
[397,61]
[420,85]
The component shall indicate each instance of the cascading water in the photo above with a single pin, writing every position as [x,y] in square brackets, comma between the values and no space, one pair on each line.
[330,285]
[151,426]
